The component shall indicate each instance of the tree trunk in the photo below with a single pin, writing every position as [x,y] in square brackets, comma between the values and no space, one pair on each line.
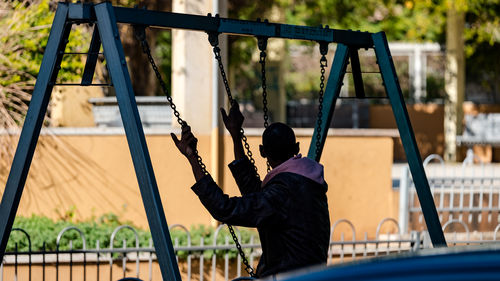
[454,80]
[143,78]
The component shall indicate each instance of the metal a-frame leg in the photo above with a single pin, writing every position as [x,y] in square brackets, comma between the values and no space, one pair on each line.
[332,92]
[90,64]
[356,73]
[117,66]
[408,138]
[33,123]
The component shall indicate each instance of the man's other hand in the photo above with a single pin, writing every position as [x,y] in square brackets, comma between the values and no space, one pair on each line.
[187,144]
[234,120]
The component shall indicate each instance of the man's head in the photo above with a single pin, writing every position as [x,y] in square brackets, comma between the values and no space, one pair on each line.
[278,144]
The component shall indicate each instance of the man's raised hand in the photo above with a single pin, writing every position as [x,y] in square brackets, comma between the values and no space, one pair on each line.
[187,143]
[187,146]
[234,120]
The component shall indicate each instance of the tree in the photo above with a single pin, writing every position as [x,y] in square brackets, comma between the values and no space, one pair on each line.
[143,78]
[402,20]
[23,37]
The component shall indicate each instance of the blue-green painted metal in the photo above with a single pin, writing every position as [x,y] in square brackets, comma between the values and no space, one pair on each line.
[229,26]
[356,73]
[332,92]
[93,55]
[33,123]
[106,16]
[393,90]
[117,66]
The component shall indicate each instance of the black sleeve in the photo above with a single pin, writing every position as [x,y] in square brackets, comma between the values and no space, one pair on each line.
[245,176]
[257,209]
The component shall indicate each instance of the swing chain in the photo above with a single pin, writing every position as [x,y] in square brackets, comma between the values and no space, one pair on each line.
[323,48]
[140,35]
[248,267]
[213,39]
[262,43]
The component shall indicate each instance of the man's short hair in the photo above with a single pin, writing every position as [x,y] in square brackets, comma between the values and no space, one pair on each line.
[279,141]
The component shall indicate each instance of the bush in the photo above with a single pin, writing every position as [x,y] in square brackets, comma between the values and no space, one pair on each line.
[44,230]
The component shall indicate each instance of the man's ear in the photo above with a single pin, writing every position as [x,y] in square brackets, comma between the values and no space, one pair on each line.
[296,148]
[262,151]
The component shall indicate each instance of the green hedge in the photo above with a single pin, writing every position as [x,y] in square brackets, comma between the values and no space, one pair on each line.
[42,229]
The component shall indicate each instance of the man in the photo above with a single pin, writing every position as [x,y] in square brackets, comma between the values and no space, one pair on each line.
[289,207]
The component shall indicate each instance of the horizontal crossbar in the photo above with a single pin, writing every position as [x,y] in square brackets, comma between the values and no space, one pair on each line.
[365,72]
[363,98]
[76,53]
[81,84]
[84,13]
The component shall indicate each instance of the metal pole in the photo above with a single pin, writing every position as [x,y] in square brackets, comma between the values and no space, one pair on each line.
[117,66]
[404,191]
[393,90]
[81,12]
[95,46]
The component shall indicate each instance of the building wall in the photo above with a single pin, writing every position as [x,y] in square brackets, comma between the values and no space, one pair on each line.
[427,121]
[70,106]
[84,176]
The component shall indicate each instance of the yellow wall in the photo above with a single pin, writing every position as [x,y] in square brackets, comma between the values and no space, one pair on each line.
[70,106]
[94,174]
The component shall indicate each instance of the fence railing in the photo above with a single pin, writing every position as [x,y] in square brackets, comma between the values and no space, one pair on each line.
[207,260]
[468,192]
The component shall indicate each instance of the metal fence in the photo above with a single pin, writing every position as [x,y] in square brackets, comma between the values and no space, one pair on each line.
[209,258]
[468,193]
[467,198]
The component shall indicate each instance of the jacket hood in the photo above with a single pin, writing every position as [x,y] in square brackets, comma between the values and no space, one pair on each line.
[303,166]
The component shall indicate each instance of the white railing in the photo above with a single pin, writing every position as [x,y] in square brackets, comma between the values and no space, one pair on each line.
[468,192]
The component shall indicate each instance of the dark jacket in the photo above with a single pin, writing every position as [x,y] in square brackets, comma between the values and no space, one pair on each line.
[290,213]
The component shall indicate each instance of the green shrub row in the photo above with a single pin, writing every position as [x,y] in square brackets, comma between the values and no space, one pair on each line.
[44,230]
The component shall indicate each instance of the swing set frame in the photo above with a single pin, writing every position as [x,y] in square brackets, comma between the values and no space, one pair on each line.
[106,17]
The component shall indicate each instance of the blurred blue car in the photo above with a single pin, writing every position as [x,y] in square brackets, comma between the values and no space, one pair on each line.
[457,263]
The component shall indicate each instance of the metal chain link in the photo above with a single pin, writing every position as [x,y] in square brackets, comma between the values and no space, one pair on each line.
[218,57]
[262,43]
[140,34]
[262,62]
[213,38]
[323,64]
[248,267]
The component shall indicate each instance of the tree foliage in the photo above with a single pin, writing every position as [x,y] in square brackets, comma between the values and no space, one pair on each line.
[25,31]
[402,20]
[23,38]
